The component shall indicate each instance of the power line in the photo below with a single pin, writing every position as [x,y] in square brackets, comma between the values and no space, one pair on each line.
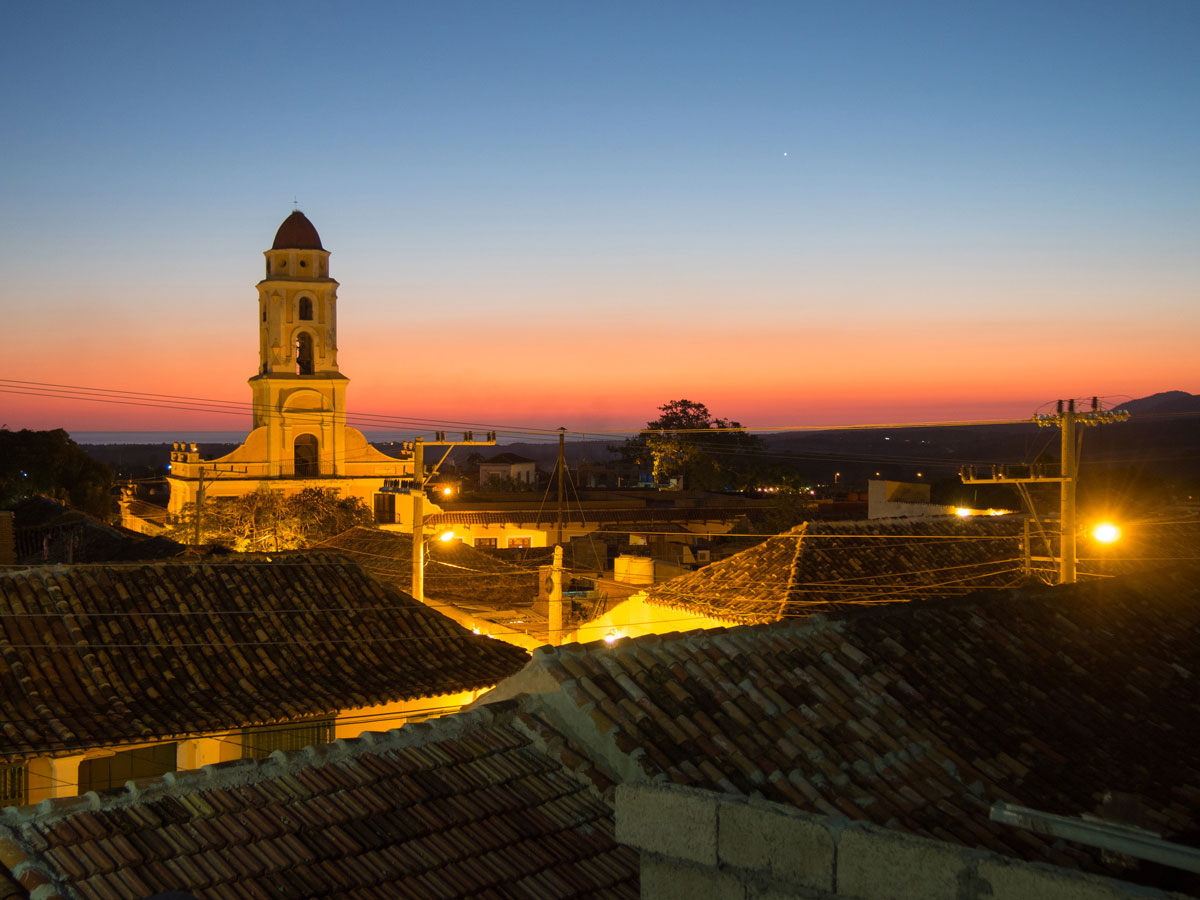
[201,404]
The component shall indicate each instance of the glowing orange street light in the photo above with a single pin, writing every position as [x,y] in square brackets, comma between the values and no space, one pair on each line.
[962,512]
[1106,533]
[446,537]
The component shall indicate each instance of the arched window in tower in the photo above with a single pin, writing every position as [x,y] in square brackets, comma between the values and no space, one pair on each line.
[304,354]
[306,456]
[306,309]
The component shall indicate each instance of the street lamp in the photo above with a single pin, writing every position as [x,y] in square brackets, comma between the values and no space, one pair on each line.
[1106,533]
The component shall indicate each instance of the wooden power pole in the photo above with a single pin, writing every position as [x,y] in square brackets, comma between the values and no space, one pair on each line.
[1065,418]
[417,492]
[562,464]
[199,503]
[555,605]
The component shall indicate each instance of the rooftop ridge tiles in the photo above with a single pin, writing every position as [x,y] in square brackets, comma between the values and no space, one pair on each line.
[109,679]
[233,773]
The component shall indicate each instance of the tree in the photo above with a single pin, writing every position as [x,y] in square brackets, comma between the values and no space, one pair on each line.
[686,442]
[268,520]
[50,463]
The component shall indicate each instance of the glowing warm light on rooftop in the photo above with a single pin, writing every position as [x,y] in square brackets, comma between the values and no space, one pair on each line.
[446,536]
[1106,533]
[611,637]
[962,512]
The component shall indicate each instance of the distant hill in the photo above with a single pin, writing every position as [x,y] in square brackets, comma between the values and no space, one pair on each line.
[1166,403]
[1162,438]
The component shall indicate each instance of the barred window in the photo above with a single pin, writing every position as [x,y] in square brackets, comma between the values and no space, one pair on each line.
[106,772]
[259,743]
[13,782]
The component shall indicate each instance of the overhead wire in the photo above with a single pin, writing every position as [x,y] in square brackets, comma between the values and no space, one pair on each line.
[201,404]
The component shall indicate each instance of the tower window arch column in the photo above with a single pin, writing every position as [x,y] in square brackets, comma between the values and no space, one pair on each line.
[305,309]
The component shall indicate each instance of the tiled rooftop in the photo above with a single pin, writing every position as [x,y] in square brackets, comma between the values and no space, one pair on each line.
[822,564]
[474,805]
[48,532]
[100,655]
[916,716]
[454,572]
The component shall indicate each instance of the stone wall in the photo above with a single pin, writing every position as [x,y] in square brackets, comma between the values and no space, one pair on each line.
[699,844]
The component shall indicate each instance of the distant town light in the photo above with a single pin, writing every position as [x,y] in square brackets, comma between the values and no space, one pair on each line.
[962,512]
[447,491]
[1106,533]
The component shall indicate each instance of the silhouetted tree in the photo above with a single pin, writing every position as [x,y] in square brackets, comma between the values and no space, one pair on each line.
[687,442]
[50,463]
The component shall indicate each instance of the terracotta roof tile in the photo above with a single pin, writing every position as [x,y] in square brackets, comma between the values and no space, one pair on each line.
[468,804]
[920,715]
[454,573]
[822,565]
[101,655]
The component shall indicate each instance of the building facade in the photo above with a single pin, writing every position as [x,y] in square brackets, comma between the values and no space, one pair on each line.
[300,437]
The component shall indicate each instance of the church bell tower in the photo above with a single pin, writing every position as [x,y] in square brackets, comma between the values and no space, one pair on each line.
[299,394]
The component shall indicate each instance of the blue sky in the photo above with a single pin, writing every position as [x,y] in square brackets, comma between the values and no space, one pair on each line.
[646,200]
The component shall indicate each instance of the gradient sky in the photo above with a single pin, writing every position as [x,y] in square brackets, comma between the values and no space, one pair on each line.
[571,212]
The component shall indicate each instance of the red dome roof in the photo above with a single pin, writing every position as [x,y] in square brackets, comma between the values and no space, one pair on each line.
[297,233]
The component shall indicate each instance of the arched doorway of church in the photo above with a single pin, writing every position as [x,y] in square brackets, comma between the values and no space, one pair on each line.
[306,456]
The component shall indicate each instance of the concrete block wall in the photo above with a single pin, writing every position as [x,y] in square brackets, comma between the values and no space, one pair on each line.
[698,844]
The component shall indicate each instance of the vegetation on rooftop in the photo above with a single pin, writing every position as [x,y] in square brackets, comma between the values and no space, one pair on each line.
[265,520]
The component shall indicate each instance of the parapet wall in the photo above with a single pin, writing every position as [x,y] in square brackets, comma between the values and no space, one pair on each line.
[699,844]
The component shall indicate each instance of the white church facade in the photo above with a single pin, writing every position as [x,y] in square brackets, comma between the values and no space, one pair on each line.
[300,438]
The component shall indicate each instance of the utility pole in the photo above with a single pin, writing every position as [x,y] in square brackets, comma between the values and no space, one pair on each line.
[1065,418]
[199,503]
[555,610]
[562,462]
[1070,473]
[417,492]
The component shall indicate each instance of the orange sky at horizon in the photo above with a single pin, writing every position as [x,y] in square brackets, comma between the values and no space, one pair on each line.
[614,379]
[570,214]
